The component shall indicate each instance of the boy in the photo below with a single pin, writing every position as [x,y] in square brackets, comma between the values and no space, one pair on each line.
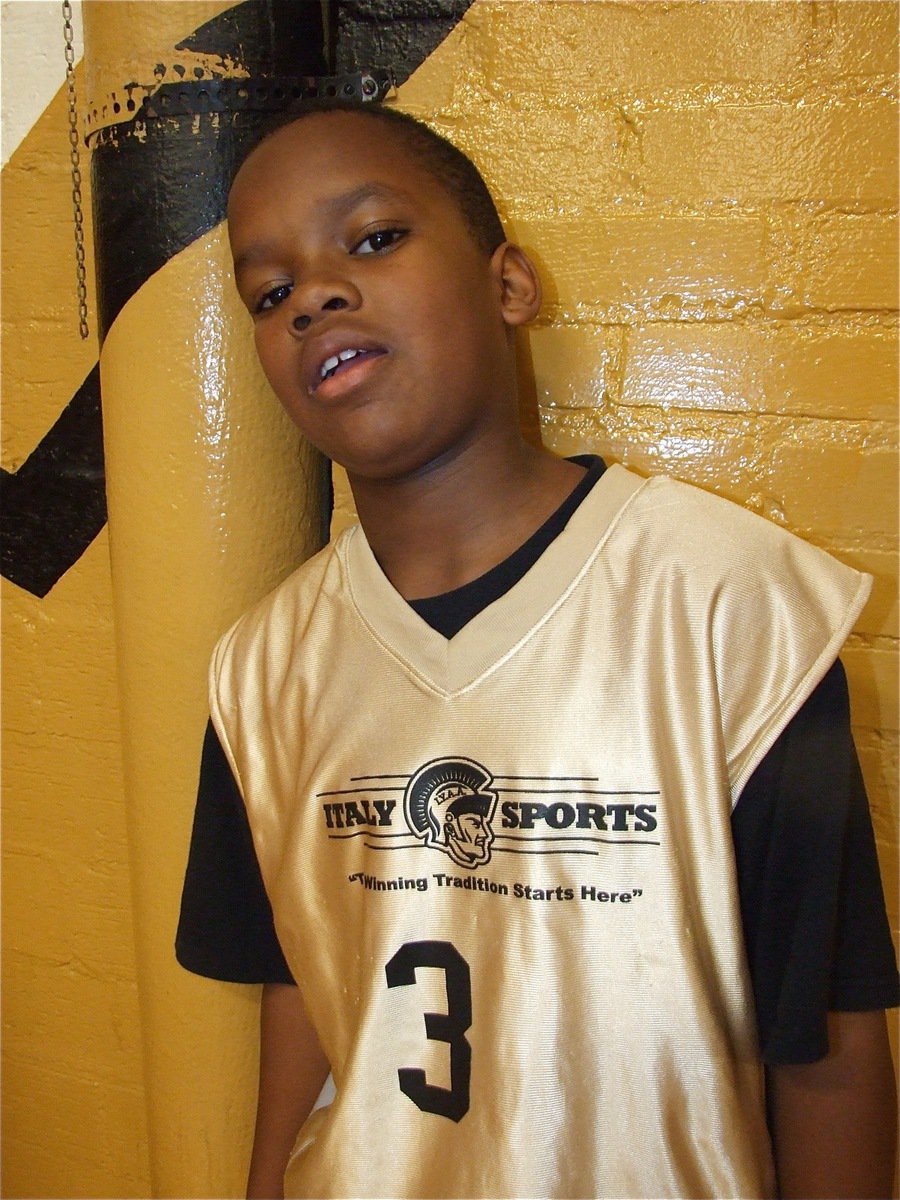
[489,744]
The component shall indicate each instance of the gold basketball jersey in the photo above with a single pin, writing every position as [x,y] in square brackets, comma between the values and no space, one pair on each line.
[501,865]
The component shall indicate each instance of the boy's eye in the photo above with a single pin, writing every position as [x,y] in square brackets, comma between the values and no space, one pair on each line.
[272,298]
[380,239]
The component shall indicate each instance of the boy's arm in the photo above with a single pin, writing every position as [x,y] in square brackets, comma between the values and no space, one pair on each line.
[292,1071]
[834,1122]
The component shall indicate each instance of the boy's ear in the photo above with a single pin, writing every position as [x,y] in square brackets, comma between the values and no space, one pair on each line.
[520,285]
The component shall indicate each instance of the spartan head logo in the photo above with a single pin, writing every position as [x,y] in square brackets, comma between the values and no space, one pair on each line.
[449,805]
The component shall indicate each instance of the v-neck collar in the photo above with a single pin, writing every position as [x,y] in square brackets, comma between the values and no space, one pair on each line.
[449,666]
[448,612]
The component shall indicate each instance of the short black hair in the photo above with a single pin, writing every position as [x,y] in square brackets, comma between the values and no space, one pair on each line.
[444,162]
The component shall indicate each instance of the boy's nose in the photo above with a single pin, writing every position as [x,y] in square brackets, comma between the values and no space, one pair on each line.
[314,301]
[303,320]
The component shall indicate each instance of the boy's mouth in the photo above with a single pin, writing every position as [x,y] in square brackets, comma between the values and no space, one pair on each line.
[336,363]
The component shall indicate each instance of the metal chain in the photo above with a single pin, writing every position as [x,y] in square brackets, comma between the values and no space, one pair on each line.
[80,271]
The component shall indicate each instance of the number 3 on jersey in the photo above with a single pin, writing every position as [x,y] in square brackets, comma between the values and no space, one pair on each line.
[449,1027]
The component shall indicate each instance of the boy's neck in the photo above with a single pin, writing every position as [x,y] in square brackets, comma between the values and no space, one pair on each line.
[442,528]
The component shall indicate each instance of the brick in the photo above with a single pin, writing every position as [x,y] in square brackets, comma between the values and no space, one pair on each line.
[721,453]
[881,616]
[559,158]
[586,49]
[862,38]
[820,479]
[878,757]
[844,373]
[839,153]
[848,373]
[574,367]
[617,268]
[836,492]
[851,263]
[873,679]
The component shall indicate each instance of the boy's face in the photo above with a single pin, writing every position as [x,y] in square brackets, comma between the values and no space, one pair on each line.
[343,243]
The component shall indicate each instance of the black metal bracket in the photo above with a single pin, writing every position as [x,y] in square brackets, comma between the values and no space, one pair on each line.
[254,94]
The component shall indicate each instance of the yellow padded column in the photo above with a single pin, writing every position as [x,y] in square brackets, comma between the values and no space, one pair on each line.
[212,500]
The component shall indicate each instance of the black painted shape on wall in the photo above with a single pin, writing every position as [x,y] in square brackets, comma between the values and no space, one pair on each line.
[268,37]
[55,504]
[391,33]
[156,195]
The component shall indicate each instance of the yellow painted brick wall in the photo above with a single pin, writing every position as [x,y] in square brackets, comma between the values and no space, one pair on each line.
[710,191]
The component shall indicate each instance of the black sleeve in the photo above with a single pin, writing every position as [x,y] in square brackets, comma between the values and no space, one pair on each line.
[225,930]
[812,905]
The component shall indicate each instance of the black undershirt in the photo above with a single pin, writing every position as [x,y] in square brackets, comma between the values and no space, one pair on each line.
[812,908]
[449,612]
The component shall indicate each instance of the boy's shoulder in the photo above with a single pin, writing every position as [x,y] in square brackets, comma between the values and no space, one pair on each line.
[695,529]
[278,614]
[724,558]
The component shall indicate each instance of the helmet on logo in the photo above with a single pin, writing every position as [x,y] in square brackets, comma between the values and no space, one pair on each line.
[449,805]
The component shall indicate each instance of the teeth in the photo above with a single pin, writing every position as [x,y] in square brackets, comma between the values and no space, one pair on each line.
[332,363]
